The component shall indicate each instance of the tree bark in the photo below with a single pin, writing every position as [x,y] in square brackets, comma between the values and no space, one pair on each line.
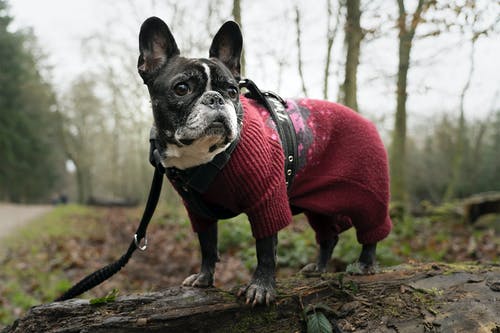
[330,39]
[398,149]
[416,298]
[353,37]
[237,19]
[299,50]
[398,146]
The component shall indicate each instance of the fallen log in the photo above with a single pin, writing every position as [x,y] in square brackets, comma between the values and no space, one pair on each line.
[408,298]
[481,204]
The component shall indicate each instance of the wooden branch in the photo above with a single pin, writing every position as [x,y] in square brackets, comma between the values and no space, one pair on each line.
[401,7]
[408,298]
[330,39]
[299,50]
[417,15]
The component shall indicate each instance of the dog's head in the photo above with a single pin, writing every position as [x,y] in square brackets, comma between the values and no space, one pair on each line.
[196,106]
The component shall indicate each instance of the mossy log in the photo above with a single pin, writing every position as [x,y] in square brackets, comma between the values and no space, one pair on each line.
[408,298]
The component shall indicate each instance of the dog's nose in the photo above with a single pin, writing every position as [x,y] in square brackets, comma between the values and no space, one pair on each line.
[212,99]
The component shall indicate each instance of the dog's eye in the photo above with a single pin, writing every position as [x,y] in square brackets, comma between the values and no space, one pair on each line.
[181,89]
[232,92]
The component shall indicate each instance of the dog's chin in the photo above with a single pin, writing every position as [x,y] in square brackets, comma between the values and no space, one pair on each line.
[193,152]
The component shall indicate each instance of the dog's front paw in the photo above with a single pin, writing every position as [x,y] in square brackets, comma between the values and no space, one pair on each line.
[200,280]
[258,292]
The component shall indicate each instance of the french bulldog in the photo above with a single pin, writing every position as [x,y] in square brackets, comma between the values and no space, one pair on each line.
[342,178]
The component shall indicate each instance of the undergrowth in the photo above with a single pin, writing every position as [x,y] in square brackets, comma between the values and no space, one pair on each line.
[25,283]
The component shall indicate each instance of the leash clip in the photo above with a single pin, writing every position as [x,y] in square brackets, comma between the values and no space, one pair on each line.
[137,244]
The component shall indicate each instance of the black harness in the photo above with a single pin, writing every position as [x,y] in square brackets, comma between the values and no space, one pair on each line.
[195,181]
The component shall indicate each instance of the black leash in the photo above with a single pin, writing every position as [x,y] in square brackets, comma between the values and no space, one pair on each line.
[106,272]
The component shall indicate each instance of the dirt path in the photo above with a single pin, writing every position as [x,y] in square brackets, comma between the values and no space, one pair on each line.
[14,216]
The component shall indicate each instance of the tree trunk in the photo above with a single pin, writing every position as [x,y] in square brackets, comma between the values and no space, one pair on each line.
[353,37]
[81,185]
[330,39]
[417,298]
[399,192]
[398,148]
[299,51]
[237,19]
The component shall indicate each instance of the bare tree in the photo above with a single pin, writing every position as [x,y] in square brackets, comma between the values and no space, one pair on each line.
[332,29]
[299,50]
[457,166]
[474,16]
[82,120]
[353,37]
[398,145]
[237,17]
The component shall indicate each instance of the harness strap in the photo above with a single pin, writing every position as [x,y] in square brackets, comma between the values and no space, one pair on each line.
[284,126]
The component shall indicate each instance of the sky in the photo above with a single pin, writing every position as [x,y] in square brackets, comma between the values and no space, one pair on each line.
[434,83]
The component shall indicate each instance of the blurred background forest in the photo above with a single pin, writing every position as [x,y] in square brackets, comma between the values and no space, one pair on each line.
[75,120]
[425,71]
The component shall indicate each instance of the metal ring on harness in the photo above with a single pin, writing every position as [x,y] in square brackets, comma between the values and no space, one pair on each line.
[137,244]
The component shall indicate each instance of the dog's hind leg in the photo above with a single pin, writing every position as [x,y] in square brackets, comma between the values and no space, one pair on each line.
[326,237]
[366,262]
[325,253]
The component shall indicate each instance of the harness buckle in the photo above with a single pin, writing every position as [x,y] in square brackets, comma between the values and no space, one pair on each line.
[137,243]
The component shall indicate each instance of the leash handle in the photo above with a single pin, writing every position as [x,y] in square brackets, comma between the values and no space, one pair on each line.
[106,272]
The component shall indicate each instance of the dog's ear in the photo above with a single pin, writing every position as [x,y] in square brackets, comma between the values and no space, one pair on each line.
[226,46]
[156,46]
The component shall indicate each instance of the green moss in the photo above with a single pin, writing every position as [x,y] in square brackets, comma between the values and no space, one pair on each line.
[227,296]
[250,320]
[458,267]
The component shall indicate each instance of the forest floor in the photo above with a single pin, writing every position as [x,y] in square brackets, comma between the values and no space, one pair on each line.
[46,257]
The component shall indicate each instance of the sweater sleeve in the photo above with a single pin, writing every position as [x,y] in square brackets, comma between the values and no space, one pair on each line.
[258,181]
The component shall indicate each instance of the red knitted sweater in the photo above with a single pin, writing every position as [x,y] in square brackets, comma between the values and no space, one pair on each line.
[342,179]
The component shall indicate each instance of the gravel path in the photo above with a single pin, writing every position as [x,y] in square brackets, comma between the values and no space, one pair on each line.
[14,216]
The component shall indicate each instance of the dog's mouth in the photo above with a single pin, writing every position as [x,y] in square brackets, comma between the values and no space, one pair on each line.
[218,127]
[218,132]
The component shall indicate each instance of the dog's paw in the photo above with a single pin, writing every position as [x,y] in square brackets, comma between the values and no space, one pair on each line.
[359,268]
[257,293]
[200,280]
[312,269]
